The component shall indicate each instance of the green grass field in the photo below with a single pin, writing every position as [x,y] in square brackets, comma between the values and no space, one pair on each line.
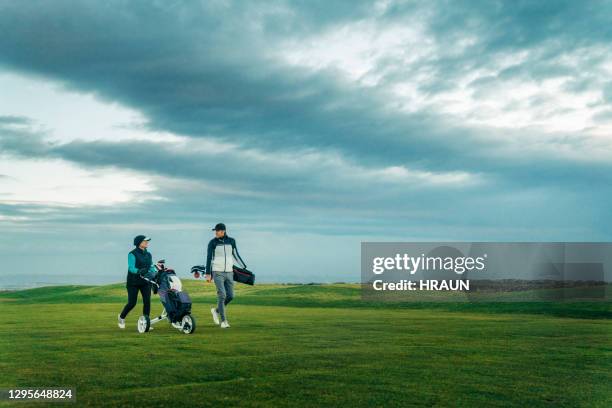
[308,345]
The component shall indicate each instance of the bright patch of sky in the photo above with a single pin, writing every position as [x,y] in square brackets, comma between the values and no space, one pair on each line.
[63,116]
[67,115]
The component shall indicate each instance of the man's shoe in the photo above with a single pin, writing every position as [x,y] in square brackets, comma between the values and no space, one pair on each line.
[120,322]
[225,324]
[215,315]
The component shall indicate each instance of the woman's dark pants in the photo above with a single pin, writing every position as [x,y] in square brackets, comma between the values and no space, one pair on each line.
[145,291]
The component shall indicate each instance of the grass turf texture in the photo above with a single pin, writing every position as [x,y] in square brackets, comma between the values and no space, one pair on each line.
[308,345]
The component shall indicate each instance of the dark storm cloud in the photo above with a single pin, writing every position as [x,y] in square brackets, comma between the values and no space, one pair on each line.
[208,70]
[318,198]
[14,120]
[237,171]
[519,24]
[544,32]
[192,69]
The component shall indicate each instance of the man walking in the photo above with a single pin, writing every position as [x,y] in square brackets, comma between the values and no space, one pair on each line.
[221,256]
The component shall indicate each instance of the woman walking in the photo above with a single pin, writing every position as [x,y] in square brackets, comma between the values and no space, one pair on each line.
[140,263]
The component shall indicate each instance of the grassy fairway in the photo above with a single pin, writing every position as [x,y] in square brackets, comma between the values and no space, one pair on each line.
[311,346]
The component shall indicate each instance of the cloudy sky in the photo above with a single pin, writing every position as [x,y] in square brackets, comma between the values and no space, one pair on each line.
[307,127]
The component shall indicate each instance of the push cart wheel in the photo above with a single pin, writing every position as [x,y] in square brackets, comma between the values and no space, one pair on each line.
[189,324]
[144,324]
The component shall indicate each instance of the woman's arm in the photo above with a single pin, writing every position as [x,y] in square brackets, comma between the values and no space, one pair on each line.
[132,263]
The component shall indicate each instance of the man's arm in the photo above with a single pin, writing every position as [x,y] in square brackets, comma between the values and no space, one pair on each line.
[209,255]
[237,257]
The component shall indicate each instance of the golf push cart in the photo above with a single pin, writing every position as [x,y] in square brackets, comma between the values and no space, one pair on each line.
[177,303]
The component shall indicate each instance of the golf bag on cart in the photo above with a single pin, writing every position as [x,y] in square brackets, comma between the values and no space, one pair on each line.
[176,302]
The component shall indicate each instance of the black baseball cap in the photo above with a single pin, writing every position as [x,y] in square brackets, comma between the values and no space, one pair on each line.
[139,238]
[219,227]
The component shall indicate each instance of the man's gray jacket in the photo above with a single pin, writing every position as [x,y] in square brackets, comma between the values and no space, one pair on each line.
[222,255]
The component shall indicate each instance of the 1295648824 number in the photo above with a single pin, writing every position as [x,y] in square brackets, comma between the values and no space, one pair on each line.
[63,394]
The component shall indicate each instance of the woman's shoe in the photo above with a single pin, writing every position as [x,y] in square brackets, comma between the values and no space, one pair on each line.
[225,324]
[120,322]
